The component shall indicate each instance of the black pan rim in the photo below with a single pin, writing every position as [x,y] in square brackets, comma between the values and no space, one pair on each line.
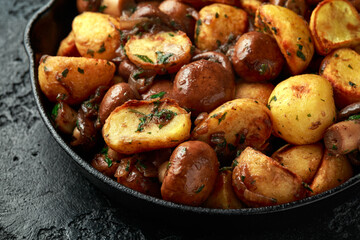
[124,190]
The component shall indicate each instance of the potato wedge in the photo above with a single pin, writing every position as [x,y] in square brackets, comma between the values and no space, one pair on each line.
[303,160]
[257,91]
[333,171]
[291,33]
[259,180]
[75,78]
[217,23]
[96,35]
[162,52]
[342,69]
[250,6]
[223,195]
[238,122]
[334,24]
[139,126]
[302,108]
[67,47]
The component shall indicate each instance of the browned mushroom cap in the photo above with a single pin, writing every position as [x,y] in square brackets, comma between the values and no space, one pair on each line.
[88,5]
[216,57]
[348,111]
[343,137]
[298,6]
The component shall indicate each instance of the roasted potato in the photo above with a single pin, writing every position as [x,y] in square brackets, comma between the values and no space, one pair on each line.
[73,79]
[250,6]
[303,160]
[333,171]
[342,69]
[223,195]
[291,33]
[162,52]
[259,180]
[334,24]
[257,91]
[139,126]
[217,23]
[192,172]
[67,47]
[96,35]
[238,122]
[302,108]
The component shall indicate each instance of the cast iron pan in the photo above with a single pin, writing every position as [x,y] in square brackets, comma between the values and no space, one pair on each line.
[43,34]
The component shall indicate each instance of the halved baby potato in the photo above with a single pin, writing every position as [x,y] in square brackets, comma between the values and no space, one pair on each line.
[244,122]
[259,180]
[96,35]
[334,24]
[342,69]
[333,171]
[257,91]
[291,33]
[303,160]
[217,23]
[139,126]
[162,52]
[250,6]
[73,79]
[302,108]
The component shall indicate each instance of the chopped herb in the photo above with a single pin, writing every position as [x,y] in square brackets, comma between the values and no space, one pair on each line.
[352,84]
[307,187]
[171,35]
[109,36]
[55,111]
[200,188]
[161,126]
[149,132]
[334,147]
[242,138]
[172,23]
[322,99]
[274,200]
[300,46]
[127,168]
[350,66]
[163,58]
[309,39]
[141,124]
[90,52]
[336,55]
[288,53]
[158,95]
[242,178]
[65,72]
[102,8]
[217,15]
[274,30]
[309,115]
[300,55]
[144,58]
[104,151]
[297,118]
[197,32]
[102,48]
[263,68]
[188,15]
[226,16]
[235,162]
[274,98]
[218,42]
[136,111]
[354,117]
[46,69]
[80,70]
[222,117]
[137,74]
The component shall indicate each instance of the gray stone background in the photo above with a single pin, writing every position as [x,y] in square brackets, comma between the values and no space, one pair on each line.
[43,195]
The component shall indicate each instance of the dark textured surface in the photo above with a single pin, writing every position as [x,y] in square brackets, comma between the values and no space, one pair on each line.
[43,195]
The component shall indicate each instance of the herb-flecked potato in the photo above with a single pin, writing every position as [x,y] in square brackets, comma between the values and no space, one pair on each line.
[342,69]
[67,47]
[192,173]
[291,33]
[162,52]
[74,79]
[302,108]
[259,180]
[303,160]
[251,6]
[139,126]
[238,122]
[96,35]
[334,24]
[257,91]
[217,23]
[333,171]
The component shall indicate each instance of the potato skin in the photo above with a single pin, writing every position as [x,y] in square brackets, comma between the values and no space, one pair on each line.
[305,124]
[261,181]
[342,69]
[291,33]
[216,23]
[191,175]
[75,78]
[257,57]
[67,47]
[96,35]
[117,95]
[131,129]
[257,91]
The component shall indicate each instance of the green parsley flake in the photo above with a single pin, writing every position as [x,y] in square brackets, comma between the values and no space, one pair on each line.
[80,70]
[163,58]
[144,58]
[200,189]
[158,95]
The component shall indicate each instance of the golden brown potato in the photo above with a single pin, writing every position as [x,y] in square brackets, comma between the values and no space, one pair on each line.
[67,47]
[291,33]
[96,35]
[302,108]
[216,23]
[74,79]
[259,180]
[162,52]
[333,171]
[334,24]
[223,195]
[342,69]
[303,160]
[191,175]
[250,6]
[257,91]
[139,126]
[238,122]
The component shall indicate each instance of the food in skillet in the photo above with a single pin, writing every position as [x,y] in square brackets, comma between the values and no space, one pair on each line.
[219,103]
